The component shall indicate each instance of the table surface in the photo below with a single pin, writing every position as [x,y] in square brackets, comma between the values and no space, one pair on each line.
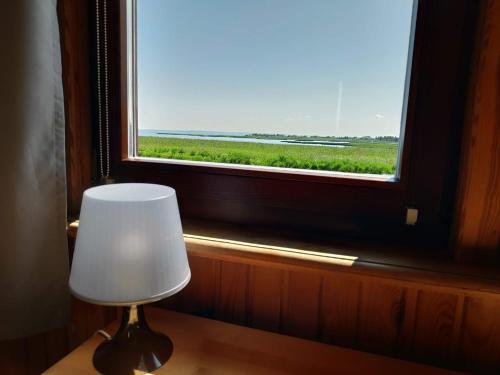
[204,346]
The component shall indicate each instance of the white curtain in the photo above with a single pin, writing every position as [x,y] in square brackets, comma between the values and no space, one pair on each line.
[33,246]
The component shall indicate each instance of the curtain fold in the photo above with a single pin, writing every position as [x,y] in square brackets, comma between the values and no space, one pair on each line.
[34,266]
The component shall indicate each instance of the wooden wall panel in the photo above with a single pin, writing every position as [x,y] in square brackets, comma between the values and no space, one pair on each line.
[479,348]
[34,354]
[201,291]
[267,296]
[433,335]
[411,320]
[381,317]
[198,297]
[36,358]
[13,359]
[302,305]
[477,218]
[96,318]
[73,24]
[339,313]
[56,344]
[416,321]
[409,317]
[77,329]
[233,293]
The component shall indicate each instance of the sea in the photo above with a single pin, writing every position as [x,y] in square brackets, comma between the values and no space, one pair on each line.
[232,137]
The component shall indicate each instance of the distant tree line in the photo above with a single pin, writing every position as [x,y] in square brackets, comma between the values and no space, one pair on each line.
[386,138]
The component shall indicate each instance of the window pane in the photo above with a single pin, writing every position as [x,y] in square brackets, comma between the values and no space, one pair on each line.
[315,85]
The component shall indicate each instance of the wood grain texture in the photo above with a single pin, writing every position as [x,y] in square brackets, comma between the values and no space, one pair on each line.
[339,312]
[404,310]
[405,344]
[479,348]
[204,346]
[381,317]
[303,302]
[199,296]
[56,344]
[232,298]
[457,330]
[266,298]
[77,329]
[36,356]
[433,336]
[301,257]
[95,318]
[73,25]
[13,357]
[477,219]
[373,314]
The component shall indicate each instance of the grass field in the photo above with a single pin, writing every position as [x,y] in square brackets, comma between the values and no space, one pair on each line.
[361,157]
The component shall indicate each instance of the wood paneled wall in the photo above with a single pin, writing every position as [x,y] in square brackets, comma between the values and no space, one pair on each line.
[439,325]
[478,206]
[454,328]
[33,355]
[74,35]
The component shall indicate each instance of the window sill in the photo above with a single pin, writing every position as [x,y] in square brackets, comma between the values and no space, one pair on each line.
[395,264]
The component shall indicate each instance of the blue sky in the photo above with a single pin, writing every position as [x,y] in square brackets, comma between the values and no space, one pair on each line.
[317,67]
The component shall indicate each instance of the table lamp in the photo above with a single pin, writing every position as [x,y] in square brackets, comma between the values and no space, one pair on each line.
[129,251]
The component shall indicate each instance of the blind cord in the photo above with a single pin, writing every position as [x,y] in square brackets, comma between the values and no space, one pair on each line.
[103,128]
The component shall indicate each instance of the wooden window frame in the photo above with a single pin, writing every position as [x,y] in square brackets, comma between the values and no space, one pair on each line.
[332,206]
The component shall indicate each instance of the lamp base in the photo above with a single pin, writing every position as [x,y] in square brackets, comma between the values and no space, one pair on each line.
[134,347]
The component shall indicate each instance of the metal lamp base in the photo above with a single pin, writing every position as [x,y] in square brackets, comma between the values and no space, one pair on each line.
[134,347]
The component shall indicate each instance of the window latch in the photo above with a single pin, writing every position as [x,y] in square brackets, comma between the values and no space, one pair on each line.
[411,216]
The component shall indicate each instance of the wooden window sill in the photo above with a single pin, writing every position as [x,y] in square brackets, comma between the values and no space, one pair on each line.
[395,264]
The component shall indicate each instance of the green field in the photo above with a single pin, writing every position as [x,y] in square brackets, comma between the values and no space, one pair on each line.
[362,156]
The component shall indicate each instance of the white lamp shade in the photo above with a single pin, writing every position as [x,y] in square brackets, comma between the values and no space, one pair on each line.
[130,246]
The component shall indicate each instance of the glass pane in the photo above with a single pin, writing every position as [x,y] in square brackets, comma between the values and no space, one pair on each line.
[304,84]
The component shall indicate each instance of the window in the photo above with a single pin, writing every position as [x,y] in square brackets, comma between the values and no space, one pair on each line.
[318,86]
[428,82]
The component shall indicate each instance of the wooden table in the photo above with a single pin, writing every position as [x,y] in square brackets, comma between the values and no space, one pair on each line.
[204,346]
